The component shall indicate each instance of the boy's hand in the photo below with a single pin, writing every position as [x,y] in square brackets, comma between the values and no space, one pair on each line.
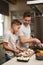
[22,49]
[16,51]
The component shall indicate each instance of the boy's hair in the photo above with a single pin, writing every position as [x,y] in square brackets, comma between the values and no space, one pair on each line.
[15,21]
[26,14]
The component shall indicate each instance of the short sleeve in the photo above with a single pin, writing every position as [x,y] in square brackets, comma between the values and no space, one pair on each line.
[6,38]
[20,33]
[30,29]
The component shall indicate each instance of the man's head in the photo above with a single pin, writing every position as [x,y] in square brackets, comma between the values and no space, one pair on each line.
[26,18]
[15,25]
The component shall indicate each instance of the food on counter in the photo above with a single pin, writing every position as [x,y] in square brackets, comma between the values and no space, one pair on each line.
[25,56]
[19,55]
[30,52]
[26,53]
[40,53]
[23,59]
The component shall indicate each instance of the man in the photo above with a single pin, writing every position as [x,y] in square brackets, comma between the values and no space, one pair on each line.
[25,32]
[10,40]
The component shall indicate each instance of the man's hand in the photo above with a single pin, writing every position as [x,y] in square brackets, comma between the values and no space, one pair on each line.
[38,42]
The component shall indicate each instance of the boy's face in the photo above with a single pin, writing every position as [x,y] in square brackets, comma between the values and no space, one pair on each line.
[26,20]
[16,28]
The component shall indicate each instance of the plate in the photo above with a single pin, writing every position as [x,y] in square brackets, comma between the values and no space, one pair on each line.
[23,59]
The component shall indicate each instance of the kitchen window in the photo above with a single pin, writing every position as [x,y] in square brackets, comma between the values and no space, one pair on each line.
[1,25]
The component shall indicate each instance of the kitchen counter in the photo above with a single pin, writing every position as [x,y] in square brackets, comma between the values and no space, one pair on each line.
[32,61]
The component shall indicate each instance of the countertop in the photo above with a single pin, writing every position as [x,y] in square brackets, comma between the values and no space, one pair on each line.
[32,61]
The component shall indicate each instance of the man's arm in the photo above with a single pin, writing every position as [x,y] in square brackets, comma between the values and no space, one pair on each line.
[22,37]
[24,40]
[31,40]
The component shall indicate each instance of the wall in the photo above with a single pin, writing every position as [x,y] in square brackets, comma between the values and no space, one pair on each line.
[20,5]
[6,24]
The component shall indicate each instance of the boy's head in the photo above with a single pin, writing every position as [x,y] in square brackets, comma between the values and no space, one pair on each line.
[15,25]
[26,18]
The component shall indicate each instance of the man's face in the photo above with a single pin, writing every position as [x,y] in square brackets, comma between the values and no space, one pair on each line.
[16,28]
[26,20]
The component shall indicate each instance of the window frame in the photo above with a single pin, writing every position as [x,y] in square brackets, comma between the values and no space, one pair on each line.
[2,25]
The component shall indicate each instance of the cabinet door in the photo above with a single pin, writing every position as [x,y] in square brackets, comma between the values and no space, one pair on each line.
[2,54]
[39,28]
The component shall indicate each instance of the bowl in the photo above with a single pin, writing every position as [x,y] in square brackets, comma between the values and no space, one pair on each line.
[39,55]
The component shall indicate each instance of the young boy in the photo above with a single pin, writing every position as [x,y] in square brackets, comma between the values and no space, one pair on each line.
[11,39]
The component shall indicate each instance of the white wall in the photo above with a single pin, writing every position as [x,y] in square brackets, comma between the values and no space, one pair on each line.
[6,24]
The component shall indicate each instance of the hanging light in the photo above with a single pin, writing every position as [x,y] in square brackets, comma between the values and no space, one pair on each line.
[35,2]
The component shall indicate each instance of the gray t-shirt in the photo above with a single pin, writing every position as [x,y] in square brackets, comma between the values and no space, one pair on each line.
[26,32]
[11,40]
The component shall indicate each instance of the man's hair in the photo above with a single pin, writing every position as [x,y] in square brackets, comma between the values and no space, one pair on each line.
[26,14]
[15,21]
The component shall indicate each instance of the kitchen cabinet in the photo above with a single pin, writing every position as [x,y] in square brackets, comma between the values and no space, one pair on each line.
[2,54]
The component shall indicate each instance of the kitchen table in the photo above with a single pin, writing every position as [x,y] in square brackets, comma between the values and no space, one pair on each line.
[32,61]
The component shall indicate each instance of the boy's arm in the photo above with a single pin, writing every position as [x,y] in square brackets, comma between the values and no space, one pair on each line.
[5,46]
[19,48]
